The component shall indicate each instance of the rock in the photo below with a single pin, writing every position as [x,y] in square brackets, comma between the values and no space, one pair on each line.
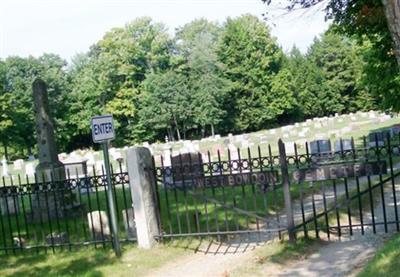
[57,238]
[99,225]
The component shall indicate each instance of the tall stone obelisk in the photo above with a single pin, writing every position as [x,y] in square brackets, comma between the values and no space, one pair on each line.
[49,166]
[47,206]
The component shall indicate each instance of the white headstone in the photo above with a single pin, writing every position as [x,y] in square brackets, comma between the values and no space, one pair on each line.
[98,224]
[30,169]
[289,147]
[18,164]
[5,167]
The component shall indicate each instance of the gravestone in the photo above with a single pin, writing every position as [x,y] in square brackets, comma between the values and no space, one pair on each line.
[46,206]
[377,138]
[75,167]
[99,225]
[9,204]
[129,223]
[343,145]
[30,170]
[395,130]
[185,167]
[321,146]
[18,164]
[4,166]
[48,159]
[289,147]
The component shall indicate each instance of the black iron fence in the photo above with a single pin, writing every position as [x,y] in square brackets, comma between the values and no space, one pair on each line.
[342,189]
[63,214]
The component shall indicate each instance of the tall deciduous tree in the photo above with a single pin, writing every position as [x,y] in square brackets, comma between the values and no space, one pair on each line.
[166,104]
[197,43]
[108,80]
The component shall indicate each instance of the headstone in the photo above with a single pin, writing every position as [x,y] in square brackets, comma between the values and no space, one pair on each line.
[99,167]
[185,167]
[167,157]
[320,146]
[90,160]
[4,166]
[30,169]
[31,158]
[317,125]
[9,204]
[75,167]
[245,144]
[49,165]
[293,133]
[62,156]
[377,138]
[289,147]
[395,130]
[18,164]
[99,225]
[129,223]
[343,145]
[116,154]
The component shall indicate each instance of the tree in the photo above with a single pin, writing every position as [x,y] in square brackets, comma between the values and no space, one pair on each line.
[108,78]
[197,44]
[17,95]
[166,104]
[375,21]
[252,58]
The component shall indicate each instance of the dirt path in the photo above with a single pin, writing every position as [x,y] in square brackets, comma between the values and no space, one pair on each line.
[210,259]
[337,258]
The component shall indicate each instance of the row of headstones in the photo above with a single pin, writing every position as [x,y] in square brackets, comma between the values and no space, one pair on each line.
[324,145]
[300,130]
[77,162]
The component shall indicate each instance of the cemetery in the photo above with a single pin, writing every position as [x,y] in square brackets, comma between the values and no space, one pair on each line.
[254,139]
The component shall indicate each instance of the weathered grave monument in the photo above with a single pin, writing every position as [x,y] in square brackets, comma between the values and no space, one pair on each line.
[50,172]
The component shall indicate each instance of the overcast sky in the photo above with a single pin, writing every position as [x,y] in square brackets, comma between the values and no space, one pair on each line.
[67,27]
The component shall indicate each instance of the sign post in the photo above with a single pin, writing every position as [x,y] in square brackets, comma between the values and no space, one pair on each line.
[102,132]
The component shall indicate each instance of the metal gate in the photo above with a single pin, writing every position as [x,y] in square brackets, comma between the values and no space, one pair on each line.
[307,189]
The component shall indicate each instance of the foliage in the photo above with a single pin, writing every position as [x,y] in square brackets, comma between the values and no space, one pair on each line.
[207,78]
[252,59]
[385,261]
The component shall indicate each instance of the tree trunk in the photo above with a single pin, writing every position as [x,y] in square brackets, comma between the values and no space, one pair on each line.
[177,129]
[392,12]
[212,130]
[178,133]
[5,150]
[170,134]
[203,131]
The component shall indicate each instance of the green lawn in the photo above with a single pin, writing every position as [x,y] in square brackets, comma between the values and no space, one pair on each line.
[386,261]
[96,263]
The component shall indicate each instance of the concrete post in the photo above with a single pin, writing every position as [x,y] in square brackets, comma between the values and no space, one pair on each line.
[142,185]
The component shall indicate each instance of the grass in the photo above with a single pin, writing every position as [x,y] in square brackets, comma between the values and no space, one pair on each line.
[278,252]
[386,261]
[95,262]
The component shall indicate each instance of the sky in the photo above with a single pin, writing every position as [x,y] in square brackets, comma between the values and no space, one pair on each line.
[68,27]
